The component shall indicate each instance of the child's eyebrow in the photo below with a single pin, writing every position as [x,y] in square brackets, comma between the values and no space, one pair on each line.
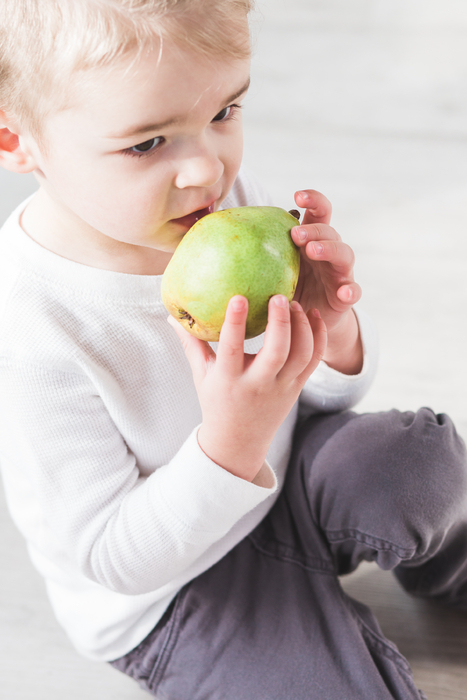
[145,128]
[237,94]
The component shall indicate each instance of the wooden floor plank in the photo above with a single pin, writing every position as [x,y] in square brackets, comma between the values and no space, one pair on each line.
[432,637]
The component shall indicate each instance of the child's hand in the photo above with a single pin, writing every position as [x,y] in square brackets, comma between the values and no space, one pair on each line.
[326,281]
[244,398]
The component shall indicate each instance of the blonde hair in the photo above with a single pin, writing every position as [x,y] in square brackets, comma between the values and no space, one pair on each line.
[43,43]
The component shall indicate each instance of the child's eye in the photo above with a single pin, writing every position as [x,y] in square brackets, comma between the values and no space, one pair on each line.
[226,113]
[142,149]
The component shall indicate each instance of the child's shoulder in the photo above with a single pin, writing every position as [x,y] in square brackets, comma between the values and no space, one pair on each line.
[26,320]
[13,272]
[35,304]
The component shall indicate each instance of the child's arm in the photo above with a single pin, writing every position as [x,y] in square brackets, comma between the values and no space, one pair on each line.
[245,398]
[326,281]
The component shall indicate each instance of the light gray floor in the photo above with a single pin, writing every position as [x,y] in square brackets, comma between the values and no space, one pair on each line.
[365,100]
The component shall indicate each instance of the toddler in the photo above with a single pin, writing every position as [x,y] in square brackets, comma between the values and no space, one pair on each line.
[189,506]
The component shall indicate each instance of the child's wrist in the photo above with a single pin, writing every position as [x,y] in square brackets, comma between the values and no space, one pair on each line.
[230,454]
[344,351]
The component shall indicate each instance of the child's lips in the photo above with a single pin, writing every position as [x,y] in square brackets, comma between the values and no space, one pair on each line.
[190,219]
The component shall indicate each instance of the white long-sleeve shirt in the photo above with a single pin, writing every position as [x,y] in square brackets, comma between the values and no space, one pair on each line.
[98,420]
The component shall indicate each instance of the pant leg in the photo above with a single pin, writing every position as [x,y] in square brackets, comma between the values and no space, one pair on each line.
[391,488]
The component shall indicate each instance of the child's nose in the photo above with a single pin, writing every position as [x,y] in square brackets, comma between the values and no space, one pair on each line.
[201,168]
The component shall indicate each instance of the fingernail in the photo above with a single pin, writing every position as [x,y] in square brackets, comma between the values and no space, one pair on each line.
[318,248]
[316,313]
[295,306]
[238,305]
[301,233]
[304,195]
[281,301]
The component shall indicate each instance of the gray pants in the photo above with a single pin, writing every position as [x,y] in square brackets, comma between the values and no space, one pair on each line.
[270,621]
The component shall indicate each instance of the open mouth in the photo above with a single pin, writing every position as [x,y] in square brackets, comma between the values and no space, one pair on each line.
[190,219]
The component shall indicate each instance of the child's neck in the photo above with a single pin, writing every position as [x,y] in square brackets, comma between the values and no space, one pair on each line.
[53,226]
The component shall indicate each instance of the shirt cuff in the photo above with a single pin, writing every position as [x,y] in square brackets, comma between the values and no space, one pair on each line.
[203,497]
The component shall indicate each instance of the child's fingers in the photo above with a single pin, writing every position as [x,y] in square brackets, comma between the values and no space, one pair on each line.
[336,253]
[318,207]
[198,352]
[303,234]
[349,293]
[276,347]
[230,352]
[301,344]
[320,339]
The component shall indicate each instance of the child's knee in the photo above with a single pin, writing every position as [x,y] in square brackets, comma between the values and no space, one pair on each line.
[398,477]
[430,466]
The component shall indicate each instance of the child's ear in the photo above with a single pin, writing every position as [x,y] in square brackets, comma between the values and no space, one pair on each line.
[12,155]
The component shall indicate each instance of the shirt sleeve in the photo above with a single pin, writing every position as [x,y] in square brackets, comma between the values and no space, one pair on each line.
[76,477]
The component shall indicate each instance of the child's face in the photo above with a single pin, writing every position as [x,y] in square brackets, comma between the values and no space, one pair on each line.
[143,149]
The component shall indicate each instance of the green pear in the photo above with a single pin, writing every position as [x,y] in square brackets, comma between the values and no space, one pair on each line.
[247,251]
